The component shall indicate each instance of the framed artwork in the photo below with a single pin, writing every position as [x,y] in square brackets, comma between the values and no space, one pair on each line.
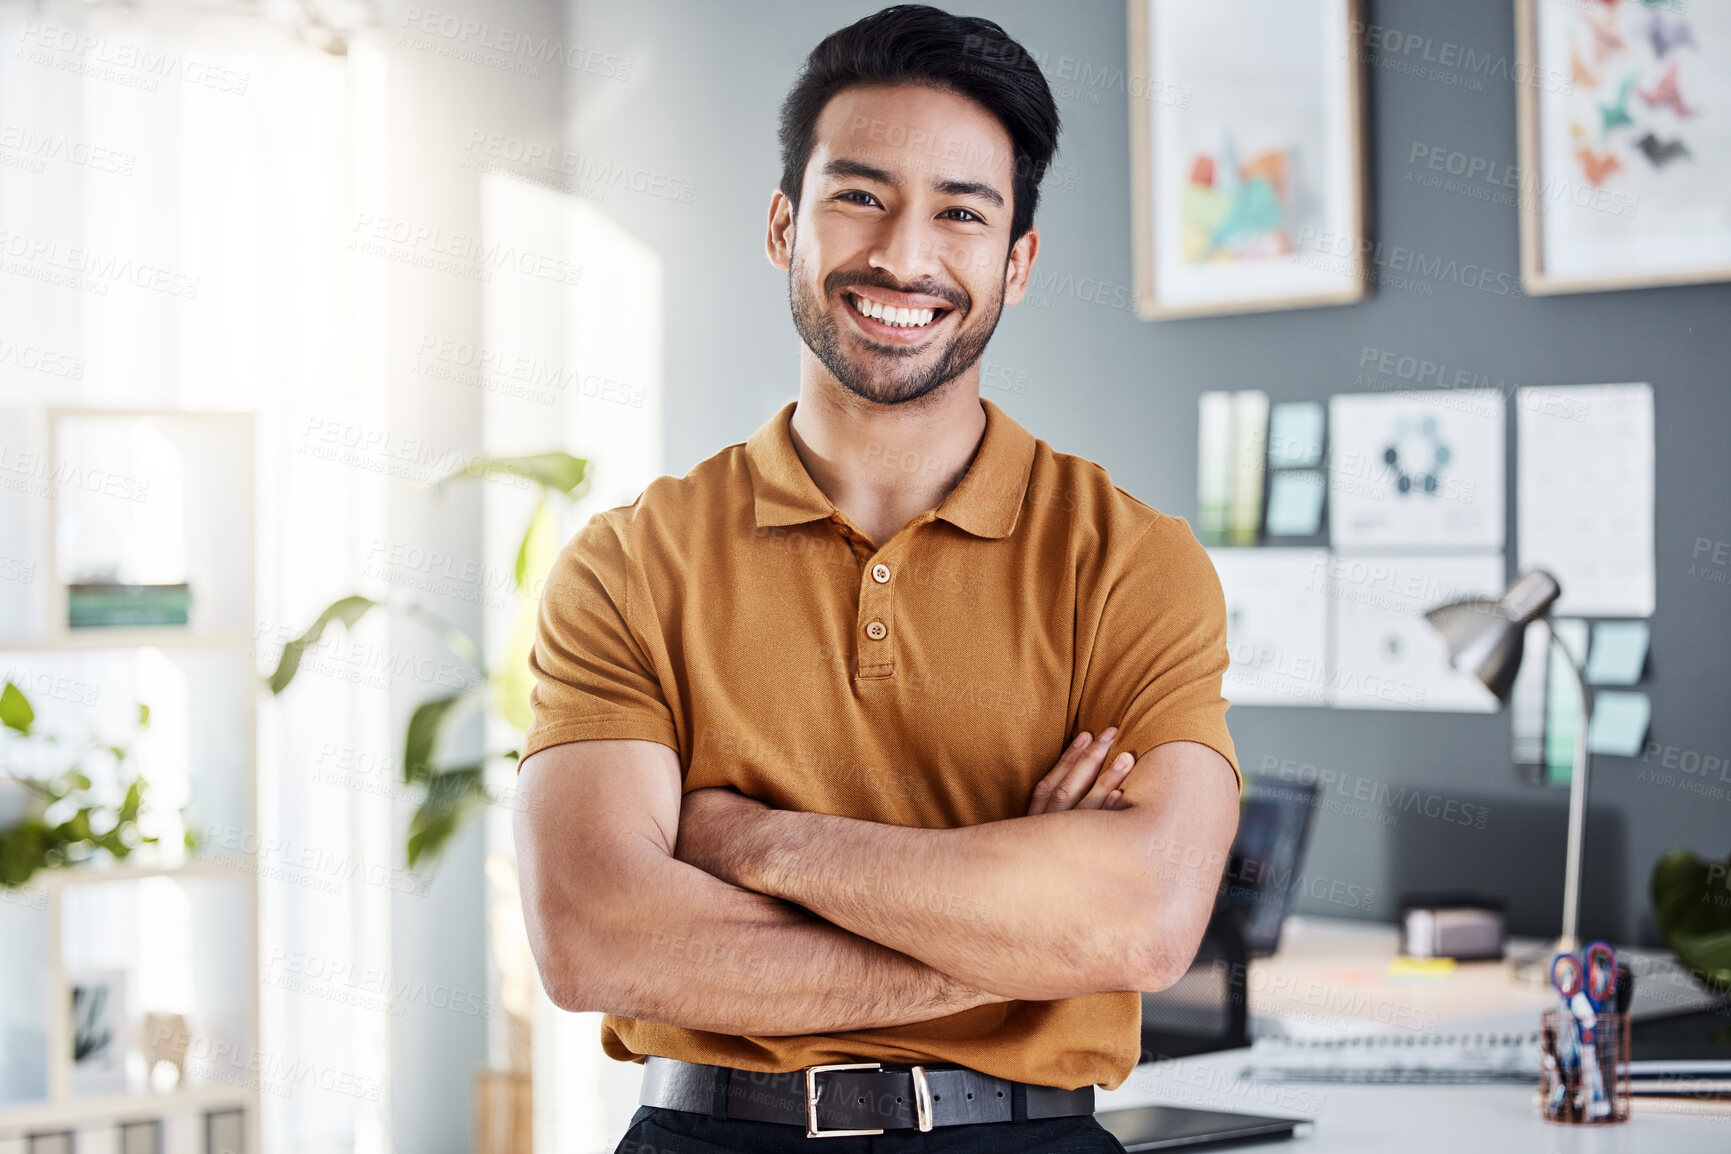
[98,1031]
[1625,143]
[1247,151]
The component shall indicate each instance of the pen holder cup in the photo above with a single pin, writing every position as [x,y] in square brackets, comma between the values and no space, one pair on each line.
[1584,1092]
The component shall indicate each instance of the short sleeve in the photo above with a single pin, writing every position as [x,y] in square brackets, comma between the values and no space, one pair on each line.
[593,676]
[1160,649]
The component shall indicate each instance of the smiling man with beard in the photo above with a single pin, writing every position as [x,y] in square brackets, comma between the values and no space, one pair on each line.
[889,739]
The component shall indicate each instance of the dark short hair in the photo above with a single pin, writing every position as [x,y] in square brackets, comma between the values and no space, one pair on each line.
[918,44]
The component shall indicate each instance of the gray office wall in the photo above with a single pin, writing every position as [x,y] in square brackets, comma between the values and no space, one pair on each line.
[1090,378]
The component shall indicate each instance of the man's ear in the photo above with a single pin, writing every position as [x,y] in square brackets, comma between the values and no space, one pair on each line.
[1019,268]
[778,244]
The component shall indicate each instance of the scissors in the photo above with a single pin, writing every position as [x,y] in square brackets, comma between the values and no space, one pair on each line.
[1586,988]
[1600,963]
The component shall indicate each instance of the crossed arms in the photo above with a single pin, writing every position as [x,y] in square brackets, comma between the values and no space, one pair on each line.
[716,912]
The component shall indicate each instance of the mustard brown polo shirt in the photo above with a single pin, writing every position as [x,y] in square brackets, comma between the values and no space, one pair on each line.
[738,617]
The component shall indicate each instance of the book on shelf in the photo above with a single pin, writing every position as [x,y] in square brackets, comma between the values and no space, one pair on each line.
[100,605]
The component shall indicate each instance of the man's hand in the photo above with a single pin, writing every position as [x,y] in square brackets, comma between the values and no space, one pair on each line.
[1076,781]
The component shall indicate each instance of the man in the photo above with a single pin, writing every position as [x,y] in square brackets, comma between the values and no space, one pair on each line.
[813,776]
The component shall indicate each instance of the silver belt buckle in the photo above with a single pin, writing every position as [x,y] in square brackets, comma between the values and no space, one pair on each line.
[811,1073]
[922,1099]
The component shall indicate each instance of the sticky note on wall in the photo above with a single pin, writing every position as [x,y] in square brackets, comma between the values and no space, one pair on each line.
[1620,720]
[1619,653]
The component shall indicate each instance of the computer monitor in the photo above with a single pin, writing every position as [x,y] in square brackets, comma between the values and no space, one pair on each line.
[1267,857]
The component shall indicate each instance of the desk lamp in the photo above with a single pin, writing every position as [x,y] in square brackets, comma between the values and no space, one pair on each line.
[1485,637]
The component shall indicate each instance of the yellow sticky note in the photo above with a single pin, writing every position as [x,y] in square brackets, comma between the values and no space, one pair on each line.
[1421,967]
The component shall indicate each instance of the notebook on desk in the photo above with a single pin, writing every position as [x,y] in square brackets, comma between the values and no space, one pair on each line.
[1140,1128]
[1407,1058]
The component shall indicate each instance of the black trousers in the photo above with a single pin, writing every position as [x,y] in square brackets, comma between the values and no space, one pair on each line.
[655,1130]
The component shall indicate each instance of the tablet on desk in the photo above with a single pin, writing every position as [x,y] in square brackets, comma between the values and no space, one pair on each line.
[1175,1127]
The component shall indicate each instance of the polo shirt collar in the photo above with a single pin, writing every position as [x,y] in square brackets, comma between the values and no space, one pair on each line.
[985,502]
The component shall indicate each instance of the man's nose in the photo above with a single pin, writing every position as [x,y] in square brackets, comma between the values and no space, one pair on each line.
[907,249]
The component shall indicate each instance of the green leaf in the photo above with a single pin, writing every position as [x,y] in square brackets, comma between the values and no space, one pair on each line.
[560,472]
[348,610]
[514,681]
[15,711]
[427,725]
[538,545]
[1692,903]
[452,795]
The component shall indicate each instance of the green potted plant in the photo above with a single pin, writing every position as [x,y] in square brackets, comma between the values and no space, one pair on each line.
[53,814]
[1692,902]
[451,793]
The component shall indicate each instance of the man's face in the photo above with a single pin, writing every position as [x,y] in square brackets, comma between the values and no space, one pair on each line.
[899,261]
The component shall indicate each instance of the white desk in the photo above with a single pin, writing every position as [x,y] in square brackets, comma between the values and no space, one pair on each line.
[1330,980]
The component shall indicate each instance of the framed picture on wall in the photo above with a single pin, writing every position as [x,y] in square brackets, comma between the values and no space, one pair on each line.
[1247,155]
[1625,143]
[98,1031]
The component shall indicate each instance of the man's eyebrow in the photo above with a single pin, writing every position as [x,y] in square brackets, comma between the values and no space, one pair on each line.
[841,166]
[971,188]
[858,168]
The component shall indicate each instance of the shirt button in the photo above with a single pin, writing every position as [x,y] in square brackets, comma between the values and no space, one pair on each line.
[880,573]
[877,631]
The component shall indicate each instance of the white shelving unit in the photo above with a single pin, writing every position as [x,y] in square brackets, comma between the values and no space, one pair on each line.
[155,491]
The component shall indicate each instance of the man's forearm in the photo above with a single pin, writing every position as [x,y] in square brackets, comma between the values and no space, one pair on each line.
[1040,907]
[691,950]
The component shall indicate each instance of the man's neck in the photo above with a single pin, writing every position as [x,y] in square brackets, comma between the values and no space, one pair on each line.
[884,465]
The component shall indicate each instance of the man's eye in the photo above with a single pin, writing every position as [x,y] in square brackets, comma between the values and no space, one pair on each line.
[966,217]
[856,197]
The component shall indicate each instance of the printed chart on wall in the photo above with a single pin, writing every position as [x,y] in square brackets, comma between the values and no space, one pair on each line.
[1386,654]
[1276,625]
[1633,153]
[1416,470]
[1584,498]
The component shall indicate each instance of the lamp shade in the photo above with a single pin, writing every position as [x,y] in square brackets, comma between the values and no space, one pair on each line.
[1486,635]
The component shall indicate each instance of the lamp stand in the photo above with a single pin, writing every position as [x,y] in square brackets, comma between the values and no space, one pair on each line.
[1539,969]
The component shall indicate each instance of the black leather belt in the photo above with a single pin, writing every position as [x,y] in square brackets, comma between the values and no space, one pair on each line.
[855,1097]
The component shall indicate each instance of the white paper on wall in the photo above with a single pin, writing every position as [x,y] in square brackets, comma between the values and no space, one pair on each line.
[1386,655]
[1416,470]
[1584,494]
[1276,625]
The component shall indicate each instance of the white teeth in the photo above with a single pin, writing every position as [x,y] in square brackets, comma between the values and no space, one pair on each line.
[889,315]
